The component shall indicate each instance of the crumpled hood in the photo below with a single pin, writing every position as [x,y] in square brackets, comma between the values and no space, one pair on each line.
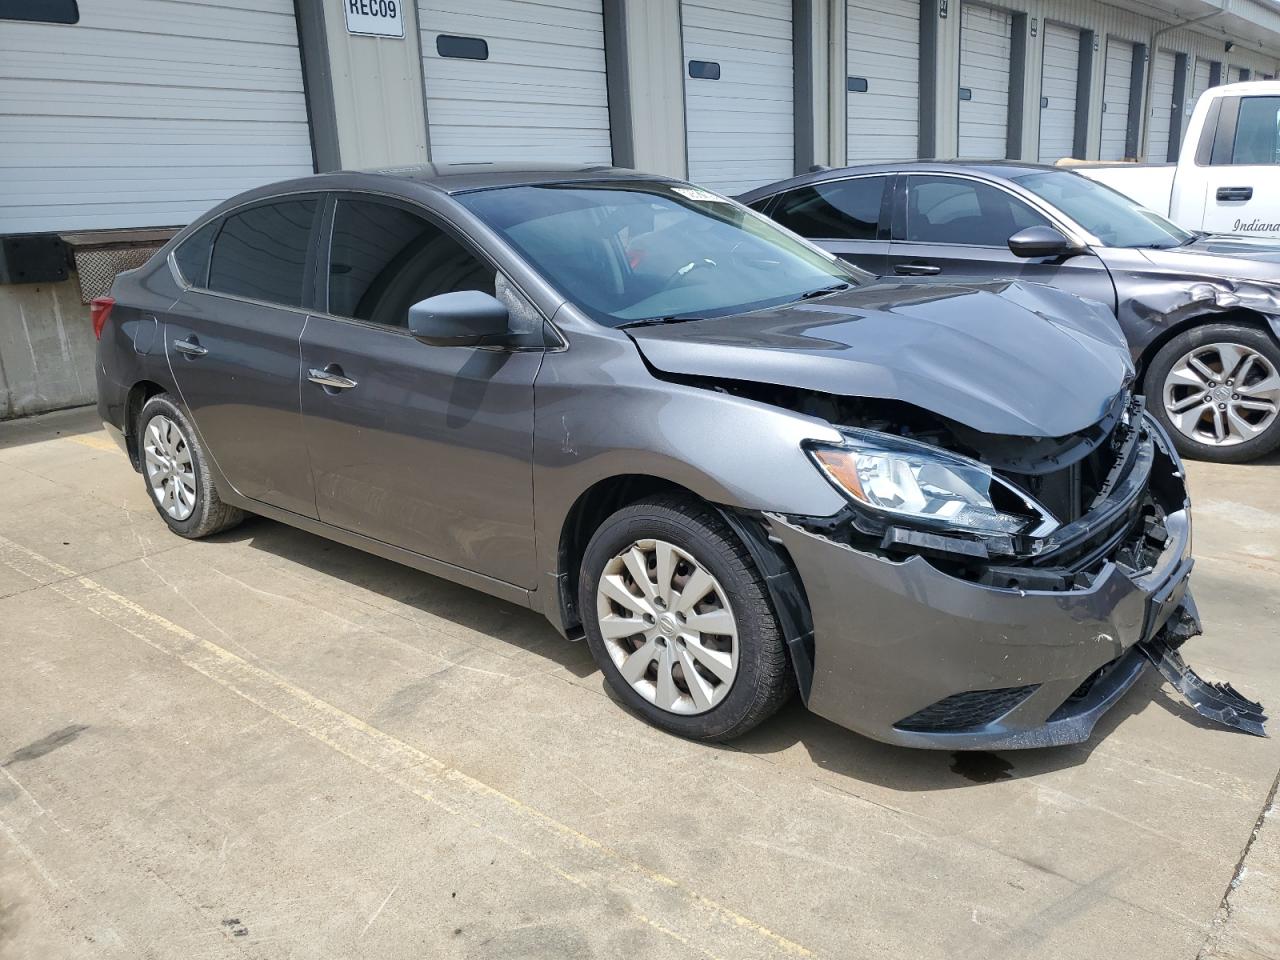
[1001,357]
[1231,258]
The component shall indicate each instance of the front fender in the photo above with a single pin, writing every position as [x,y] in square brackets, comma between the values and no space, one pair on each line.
[601,413]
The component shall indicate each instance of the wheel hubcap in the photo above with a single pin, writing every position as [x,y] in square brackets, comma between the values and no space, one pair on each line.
[668,627]
[170,474]
[1222,394]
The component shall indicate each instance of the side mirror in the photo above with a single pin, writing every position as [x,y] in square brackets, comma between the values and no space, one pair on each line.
[1041,241]
[464,318]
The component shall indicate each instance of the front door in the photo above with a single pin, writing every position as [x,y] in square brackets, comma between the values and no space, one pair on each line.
[232,344]
[1240,194]
[957,226]
[423,447]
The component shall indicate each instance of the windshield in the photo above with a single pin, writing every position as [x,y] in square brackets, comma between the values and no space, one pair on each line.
[1110,216]
[632,251]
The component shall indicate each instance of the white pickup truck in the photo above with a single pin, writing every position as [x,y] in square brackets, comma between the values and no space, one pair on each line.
[1227,178]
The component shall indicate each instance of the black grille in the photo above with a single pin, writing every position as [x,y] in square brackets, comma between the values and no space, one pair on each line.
[962,711]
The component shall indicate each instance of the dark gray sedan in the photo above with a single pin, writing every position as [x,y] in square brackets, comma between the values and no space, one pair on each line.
[714,450]
[1202,314]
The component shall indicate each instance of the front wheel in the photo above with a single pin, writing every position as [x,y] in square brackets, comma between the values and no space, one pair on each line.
[1216,389]
[679,620]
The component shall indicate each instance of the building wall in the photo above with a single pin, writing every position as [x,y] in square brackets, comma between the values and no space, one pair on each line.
[47,350]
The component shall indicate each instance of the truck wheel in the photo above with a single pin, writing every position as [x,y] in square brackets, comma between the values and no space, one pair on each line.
[1216,389]
[176,471]
[679,621]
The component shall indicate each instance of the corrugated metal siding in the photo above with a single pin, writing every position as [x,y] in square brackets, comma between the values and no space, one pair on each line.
[985,48]
[883,39]
[1161,112]
[1059,78]
[541,95]
[147,112]
[1116,84]
[740,128]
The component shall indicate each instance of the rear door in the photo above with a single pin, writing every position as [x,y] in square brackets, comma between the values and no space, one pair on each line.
[849,217]
[957,226]
[423,447]
[1241,194]
[232,345]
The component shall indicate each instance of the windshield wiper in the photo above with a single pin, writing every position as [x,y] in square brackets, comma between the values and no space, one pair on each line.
[655,321]
[823,291]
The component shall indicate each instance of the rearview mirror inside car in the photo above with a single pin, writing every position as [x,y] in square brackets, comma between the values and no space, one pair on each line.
[464,318]
[1041,241]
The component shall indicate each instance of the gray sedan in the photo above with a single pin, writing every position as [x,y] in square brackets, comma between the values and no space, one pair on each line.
[715,451]
[1202,314]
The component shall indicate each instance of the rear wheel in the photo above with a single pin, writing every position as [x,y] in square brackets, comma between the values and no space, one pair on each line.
[1216,388]
[680,622]
[175,468]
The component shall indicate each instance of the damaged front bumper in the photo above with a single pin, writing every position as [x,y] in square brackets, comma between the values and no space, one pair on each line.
[909,654]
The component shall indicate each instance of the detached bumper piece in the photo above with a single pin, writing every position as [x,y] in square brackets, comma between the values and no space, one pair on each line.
[1219,702]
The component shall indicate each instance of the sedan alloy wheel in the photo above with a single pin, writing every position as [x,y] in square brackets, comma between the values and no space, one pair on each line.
[1222,394]
[668,627]
[170,472]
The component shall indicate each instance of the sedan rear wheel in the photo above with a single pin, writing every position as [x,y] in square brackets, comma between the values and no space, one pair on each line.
[176,469]
[1217,390]
[680,621]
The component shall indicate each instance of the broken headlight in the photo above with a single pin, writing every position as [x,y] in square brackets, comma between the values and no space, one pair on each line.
[925,485]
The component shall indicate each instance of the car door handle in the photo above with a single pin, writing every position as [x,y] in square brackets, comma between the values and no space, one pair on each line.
[916,269]
[330,377]
[1235,193]
[191,347]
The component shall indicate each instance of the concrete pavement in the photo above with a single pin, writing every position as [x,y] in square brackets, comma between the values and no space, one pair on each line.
[268,745]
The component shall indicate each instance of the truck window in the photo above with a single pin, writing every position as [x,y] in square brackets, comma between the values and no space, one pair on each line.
[1257,139]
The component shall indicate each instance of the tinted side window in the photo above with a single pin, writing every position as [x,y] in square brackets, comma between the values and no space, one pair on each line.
[957,210]
[384,259]
[847,210]
[1257,131]
[262,252]
[192,255]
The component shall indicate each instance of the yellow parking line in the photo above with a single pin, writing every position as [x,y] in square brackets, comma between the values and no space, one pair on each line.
[590,864]
[95,440]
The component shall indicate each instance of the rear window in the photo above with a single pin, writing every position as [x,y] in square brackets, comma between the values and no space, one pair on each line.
[261,253]
[192,255]
[843,210]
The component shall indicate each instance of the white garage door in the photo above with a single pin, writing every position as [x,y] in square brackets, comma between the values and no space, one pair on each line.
[146,114]
[1161,107]
[1059,76]
[985,48]
[512,80]
[883,98]
[1233,74]
[1116,82]
[1199,83]
[738,101]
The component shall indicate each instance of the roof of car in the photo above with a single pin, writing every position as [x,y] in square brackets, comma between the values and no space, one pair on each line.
[460,177]
[991,168]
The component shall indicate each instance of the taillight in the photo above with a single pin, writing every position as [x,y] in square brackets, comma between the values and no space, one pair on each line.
[99,310]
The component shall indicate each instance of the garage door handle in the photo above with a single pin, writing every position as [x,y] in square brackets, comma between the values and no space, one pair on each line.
[916,269]
[330,378]
[1235,193]
[190,347]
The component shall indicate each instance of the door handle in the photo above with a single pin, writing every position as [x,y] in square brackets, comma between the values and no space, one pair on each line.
[330,377]
[1235,193]
[191,347]
[916,269]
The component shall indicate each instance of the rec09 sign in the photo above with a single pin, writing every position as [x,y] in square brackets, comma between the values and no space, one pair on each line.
[374,18]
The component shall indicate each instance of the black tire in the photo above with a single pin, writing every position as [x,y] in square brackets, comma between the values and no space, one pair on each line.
[209,514]
[764,680]
[1168,355]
